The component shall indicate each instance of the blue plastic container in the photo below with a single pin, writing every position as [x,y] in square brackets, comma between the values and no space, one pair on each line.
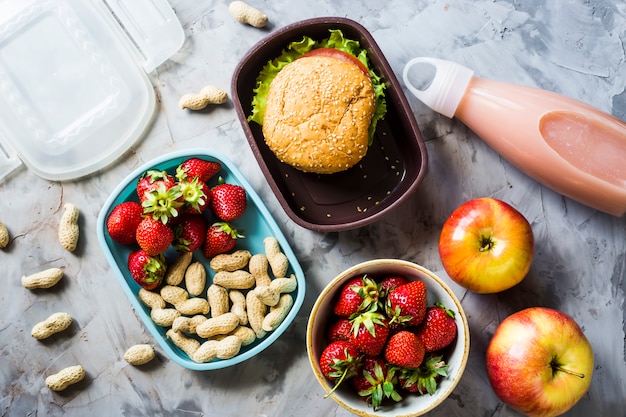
[256,223]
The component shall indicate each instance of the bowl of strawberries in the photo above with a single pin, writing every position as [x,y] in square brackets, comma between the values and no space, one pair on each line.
[387,337]
[201,259]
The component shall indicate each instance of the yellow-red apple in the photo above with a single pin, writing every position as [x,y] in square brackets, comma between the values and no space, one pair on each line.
[539,362]
[486,245]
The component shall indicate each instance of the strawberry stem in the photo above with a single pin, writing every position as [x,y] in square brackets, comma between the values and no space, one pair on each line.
[339,381]
[162,203]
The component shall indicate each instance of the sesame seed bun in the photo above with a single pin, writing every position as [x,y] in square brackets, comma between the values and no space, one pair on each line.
[318,114]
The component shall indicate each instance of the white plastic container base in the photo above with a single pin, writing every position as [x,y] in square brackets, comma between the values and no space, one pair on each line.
[74,89]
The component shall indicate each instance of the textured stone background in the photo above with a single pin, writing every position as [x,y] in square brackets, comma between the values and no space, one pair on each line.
[572,47]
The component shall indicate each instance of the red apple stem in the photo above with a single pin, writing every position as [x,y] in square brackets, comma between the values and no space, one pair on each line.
[568,371]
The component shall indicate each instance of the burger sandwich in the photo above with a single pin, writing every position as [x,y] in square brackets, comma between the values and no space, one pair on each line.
[318,104]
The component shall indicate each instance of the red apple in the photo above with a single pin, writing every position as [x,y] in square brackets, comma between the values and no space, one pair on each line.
[486,245]
[539,362]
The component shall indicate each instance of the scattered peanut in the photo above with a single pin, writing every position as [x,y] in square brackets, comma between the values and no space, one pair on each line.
[244,13]
[65,377]
[230,261]
[279,263]
[284,285]
[193,306]
[207,95]
[151,299]
[188,324]
[238,305]
[223,324]
[206,352]
[174,295]
[277,313]
[267,295]
[238,280]
[139,354]
[270,295]
[195,278]
[55,323]
[186,344]
[42,279]
[218,300]
[225,348]
[256,313]
[176,272]
[245,334]
[258,267]
[68,227]
[164,316]
[228,347]
[4,236]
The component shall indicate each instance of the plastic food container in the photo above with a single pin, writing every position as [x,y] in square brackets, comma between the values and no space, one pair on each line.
[257,223]
[392,169]
[74,90]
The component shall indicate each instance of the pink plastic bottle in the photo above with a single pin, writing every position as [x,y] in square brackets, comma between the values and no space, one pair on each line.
[571,147]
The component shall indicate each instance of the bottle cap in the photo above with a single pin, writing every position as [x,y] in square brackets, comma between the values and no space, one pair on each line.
[442,91]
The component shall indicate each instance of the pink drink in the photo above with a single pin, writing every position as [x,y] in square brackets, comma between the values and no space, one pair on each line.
[567,145]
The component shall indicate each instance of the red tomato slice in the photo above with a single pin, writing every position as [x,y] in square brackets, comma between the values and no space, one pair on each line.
[336,53]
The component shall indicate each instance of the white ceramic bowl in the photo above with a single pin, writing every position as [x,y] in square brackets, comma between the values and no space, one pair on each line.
[412,404]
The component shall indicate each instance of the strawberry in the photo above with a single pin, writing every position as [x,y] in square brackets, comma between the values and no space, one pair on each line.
[394,327]
[228,201]
[189,232]
[389,283]
[162,202]
[221,237]
[349,300]
[153,236]
[123,221]
[425,378]
[151,180]
[438,329]
[377,382]
[358,294]
[405,349]
[340,361]
[195,195]
[369,332]
[197,168]
[406,304]
[339,330]
[147,271]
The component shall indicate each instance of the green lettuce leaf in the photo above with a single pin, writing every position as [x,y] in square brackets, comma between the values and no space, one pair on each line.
[293,51]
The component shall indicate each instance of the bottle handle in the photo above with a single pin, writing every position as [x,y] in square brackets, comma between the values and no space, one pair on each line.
[442,91]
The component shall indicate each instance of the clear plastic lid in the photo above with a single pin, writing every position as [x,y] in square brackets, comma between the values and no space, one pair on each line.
[74,90]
